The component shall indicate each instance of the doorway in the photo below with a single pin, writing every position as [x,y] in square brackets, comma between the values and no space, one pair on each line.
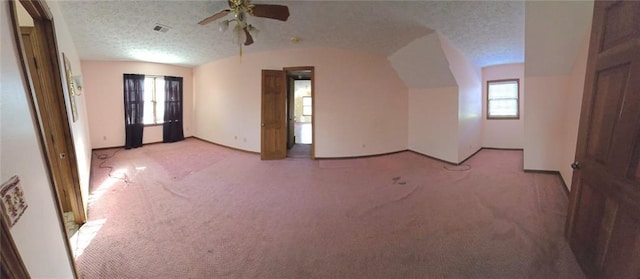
[299,112]
[35,35]
[278,127]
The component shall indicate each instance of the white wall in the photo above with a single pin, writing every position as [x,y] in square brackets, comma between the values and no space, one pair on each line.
[105,99]
[360,102]
[503,133]
[433,97]
[572,106]
[544,111]
[554,31]
[445,98]
[38,234]
[469,78]
[433,122]
[548,71]
[79,128]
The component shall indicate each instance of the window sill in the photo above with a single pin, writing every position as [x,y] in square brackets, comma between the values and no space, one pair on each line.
[153,125]
[503,118]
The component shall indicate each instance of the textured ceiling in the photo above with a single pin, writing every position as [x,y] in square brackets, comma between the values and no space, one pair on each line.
[489,33]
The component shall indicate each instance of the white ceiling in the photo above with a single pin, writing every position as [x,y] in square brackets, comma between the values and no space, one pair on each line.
[488,32]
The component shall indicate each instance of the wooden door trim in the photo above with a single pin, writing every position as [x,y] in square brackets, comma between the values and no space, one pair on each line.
[12,264]
[290,111]
[36,9]
[313,102]
[39,11]
[43,24]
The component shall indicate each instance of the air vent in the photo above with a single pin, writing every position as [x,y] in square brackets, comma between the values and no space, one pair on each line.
[161,28]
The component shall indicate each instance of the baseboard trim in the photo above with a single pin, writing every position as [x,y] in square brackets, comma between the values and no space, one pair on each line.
[433,158]
[499,148]
[122,146]
[226,146]
[473,154]
[565,189]
[362,156]
[106,148]
[445,161]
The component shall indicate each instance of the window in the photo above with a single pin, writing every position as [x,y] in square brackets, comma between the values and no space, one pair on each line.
[306,106]
[153,100]
[503,99]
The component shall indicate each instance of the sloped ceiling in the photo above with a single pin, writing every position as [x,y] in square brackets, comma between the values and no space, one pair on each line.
[487,32]
[423,64]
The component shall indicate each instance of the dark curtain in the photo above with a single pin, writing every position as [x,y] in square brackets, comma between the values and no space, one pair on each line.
[172,127]
[133,110]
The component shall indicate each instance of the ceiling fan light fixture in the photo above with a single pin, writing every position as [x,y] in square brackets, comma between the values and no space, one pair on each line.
[243,32]
[223,25]
[238,35]
[255,32]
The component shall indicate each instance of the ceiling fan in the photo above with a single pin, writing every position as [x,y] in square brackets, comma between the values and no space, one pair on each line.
[240,10]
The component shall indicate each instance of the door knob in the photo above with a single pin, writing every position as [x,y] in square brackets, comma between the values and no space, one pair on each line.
[575,165]
[262,124]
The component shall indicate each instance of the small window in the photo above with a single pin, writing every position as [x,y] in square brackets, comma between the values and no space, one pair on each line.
[306,106]
[503,99]
[153,100]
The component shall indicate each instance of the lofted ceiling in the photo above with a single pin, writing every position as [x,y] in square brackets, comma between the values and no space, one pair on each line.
[487,32]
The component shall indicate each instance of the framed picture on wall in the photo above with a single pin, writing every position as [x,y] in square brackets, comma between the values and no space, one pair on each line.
[71,87]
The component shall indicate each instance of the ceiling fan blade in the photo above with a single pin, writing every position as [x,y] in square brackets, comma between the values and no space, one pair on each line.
[278,12]
[214,17]
[249,40]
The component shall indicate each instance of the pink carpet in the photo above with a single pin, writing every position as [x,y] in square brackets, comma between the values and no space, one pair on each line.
[197,210]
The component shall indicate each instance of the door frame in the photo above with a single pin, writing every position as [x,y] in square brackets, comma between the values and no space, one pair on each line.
[43,23]
[313,102]
[52,95]
[12,264]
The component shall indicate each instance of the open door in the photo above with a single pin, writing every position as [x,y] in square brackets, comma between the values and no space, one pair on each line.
[273,133]
[42,66]
[603,225]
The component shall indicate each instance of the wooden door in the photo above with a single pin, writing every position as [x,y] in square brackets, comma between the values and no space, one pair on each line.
[291,116]
[42,65]
[274,130]
[30,50]
[603,225]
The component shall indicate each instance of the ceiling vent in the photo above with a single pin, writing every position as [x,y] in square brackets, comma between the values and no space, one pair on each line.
[161,28]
